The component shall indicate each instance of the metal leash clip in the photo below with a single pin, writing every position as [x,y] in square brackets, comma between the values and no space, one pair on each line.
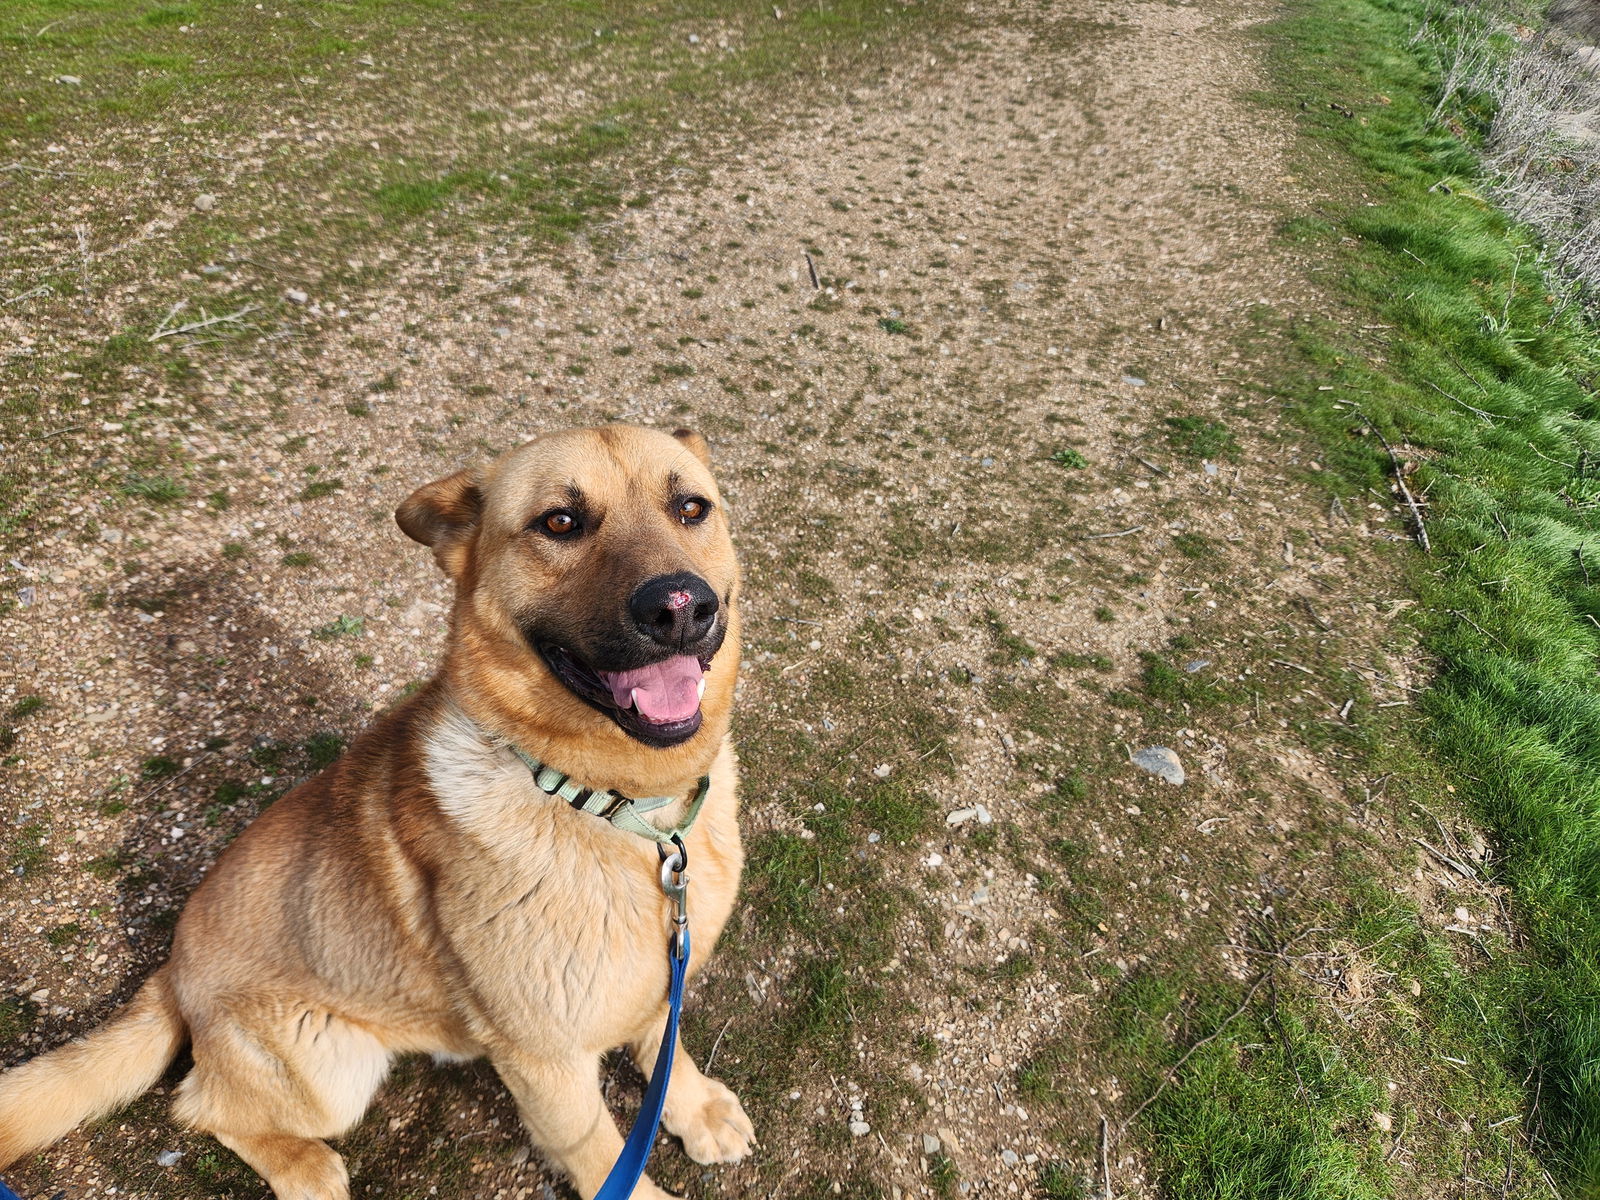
[675,884]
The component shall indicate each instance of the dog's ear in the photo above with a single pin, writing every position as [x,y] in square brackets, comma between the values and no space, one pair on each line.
[444,514]
[696,444]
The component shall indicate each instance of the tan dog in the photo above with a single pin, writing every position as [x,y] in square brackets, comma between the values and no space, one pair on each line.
[422,894]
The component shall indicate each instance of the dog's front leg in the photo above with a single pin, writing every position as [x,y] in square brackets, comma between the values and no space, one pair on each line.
[702,1111]
[566,1118]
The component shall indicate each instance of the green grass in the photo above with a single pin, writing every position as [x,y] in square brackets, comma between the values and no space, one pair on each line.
[1069,458]
[1255,1114]
[343,626]
[158,489]
[1507,600]
[1199,437]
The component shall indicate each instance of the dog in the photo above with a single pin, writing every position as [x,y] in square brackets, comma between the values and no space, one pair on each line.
[425,894]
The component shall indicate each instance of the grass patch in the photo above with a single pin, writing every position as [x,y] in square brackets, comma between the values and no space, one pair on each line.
[1072,459]
[27,853]
[157,489]
[1483,379]
[1200,437]
[343,626]
[1264,1111]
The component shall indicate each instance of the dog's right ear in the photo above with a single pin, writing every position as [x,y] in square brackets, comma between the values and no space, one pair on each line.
[444,514]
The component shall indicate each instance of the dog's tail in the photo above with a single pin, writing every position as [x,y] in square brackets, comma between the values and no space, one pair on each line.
[47,1097]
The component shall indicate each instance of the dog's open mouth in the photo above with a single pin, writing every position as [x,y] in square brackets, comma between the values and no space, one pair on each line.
[658,704]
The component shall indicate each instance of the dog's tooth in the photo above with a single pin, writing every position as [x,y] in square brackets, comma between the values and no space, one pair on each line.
[633,698]
[702,688]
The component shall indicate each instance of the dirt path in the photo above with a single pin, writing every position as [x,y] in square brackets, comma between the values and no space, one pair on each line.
[1045,240]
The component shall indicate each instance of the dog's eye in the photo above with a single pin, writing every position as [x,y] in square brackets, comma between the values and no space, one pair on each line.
[693,510]
[560,523]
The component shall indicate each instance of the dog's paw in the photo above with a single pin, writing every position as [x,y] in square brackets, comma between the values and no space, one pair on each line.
[716,1130]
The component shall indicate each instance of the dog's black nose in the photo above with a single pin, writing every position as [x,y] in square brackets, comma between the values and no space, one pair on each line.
[675,610]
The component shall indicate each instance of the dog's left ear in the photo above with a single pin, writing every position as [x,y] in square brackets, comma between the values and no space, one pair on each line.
[696,444]
[444,514]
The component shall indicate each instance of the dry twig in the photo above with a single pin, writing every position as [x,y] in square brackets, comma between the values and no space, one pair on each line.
[1400,481]
[204,323]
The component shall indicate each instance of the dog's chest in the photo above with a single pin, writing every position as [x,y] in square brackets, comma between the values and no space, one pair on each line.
[557,920]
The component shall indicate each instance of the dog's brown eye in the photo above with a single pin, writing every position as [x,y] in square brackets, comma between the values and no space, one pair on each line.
[559,523]
[693,510]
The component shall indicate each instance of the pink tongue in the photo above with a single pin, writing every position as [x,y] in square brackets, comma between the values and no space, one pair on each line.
[666,692]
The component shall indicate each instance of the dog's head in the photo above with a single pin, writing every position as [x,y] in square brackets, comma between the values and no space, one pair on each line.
[596,583]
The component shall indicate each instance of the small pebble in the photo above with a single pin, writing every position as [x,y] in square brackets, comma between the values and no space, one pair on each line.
[205,202]
[1160,762]
[882,770]
[1133,381]
[1009,1157]
[168,1158]
[961,816]
[1199,664]
[935,859]
[296,296]
[930,1144]
[859,1129]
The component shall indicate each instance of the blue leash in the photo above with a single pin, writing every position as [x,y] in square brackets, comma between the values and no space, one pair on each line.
[6,1193]
[629,1170]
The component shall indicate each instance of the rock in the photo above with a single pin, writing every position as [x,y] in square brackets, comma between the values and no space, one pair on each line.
[983,814]
[168,1158]
[296,296]
[520,1155]
[205,202]
[961,816]
[882,770]
[859,1129]
[951,1145]
[1009,1157]
[69,80]
[1199,664]
[930,1144]
[1160,762]
[935,859]
[1133,381]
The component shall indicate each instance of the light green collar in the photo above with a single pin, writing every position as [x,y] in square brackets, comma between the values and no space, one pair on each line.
[624,812]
